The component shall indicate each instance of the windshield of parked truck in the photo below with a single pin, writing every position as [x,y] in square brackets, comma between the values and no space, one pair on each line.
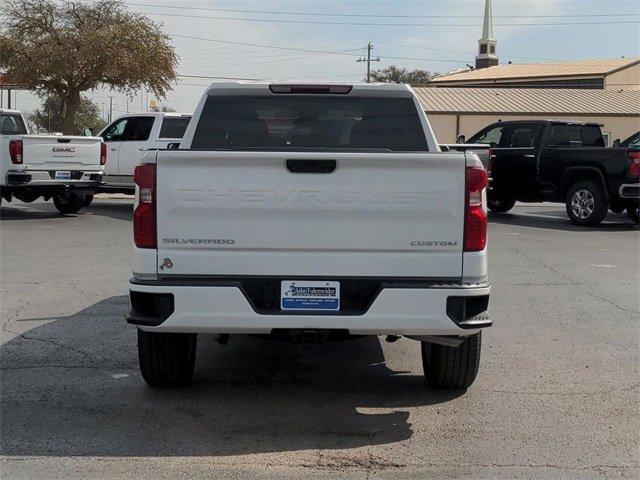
[12,124]
[490,135]
[174,127]
[309,123]
[632,142]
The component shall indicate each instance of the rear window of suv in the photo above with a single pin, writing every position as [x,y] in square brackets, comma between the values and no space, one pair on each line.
[309,123]
[174,127]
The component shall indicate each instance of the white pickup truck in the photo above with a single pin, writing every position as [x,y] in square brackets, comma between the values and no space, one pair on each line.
[65,168]
[310,213]
[128,137]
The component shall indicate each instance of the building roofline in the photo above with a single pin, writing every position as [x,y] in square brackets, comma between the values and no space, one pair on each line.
[566,76]
[622,67]
[537,114]
[630,62]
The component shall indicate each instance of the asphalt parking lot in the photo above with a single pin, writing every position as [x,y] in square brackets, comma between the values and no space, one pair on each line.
[556,397]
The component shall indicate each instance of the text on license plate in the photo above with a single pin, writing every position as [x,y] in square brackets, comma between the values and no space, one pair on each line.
[63,175]
[309,295]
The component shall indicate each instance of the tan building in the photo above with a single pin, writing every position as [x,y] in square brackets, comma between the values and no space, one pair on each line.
[609,74]
[465,111]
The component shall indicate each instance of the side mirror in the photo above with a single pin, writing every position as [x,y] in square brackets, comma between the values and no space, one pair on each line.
[616,143]
[461,139]
[87,132]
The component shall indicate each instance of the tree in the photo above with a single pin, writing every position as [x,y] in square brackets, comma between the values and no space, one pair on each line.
[49,116]
[64,49]
[393,74]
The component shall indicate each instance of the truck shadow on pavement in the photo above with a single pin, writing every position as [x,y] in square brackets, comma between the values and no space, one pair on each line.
[72,388]
[558,220]
[9,212]
[122,210]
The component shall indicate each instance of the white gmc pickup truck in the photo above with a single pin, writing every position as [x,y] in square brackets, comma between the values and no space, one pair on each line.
[66,168]
[310,213]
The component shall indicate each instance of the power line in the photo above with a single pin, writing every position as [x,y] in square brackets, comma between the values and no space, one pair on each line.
[462,52]
[182,84]
[289,59]
[372,15]
[276,47]
[364,24]
[219,78]
[424,59]
[344,52]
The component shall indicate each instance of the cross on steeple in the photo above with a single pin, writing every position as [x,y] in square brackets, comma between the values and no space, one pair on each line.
[487,44]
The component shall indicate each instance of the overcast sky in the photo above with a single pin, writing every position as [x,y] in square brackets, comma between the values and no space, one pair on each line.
[436,43]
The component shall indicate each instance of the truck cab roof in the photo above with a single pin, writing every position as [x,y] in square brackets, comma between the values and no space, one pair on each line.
[154,114]
[311,88]
[545,121]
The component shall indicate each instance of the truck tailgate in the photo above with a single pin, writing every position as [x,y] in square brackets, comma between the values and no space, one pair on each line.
[246,213]
[53,151]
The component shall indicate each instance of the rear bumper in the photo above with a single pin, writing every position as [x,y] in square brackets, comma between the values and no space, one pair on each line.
[46,178]
[435,310]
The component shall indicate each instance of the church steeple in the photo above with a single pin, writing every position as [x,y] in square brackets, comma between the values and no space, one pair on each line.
[487,44]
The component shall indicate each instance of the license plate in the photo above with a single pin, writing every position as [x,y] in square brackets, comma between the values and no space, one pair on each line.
[309,295]
[63,175]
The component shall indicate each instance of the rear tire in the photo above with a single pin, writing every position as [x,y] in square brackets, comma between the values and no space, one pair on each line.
[68,202]
[87,200]
[452,367]
[632,213]
[167,359]
[586,204]
[500,206]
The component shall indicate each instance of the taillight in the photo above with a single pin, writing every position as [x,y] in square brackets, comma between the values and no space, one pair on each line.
[144,216]
[634,166]
[15,151]
[475,218]
[103,153]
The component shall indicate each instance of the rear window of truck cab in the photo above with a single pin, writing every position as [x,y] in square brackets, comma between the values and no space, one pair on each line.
[564,135]
[309,123]
[12,124]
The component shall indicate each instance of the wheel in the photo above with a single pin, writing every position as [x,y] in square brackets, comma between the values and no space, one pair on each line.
[632,213]
[500,206]
[452,367]
[87,200]
[586,204]
[167,359]
[68,202]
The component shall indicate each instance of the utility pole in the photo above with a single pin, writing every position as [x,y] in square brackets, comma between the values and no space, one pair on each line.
[110,108]
[368,59]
